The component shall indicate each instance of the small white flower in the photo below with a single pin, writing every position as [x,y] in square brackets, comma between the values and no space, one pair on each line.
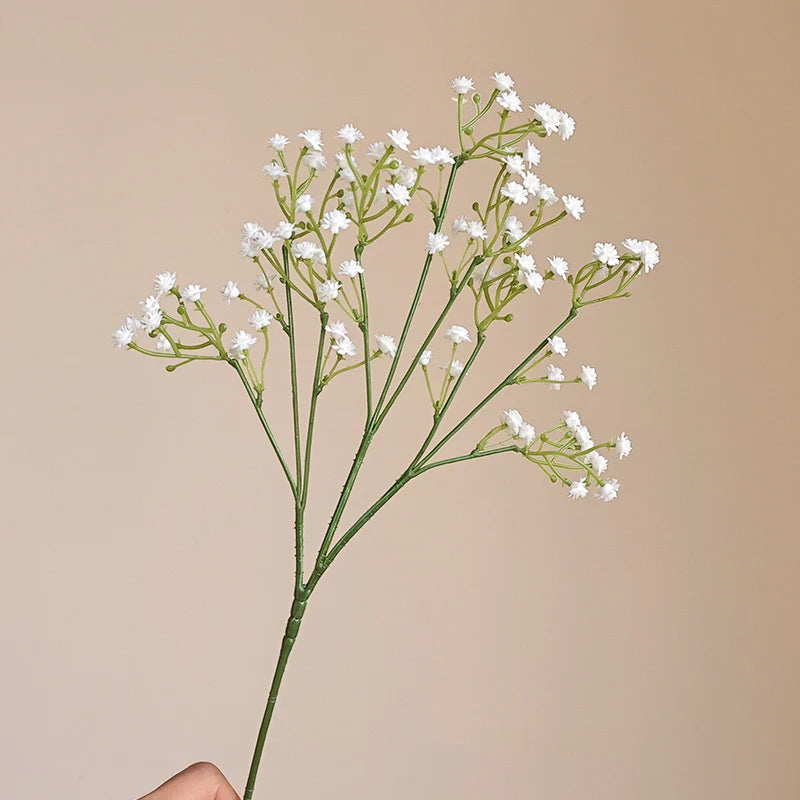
[315,161]
[462,84]
[527,433]
[344,347]
[405,176]
[274,171]
[559,266]
[531,278]
[509,100]
[284,229]
[335,221]
[515,192]
[230,291]
[583,437]
[512,419]
[260,318]
[164,282]
[532,154]
[548,116]
[151,314]
[578,489]
[163,345]
[349,269]
[441,156]
[345,171]
[515,164]
[548,194]
[328,290]
[305,250]
[425,358]
[400,138]
[598,462]
[566,125]
[350,134]
[624,445]
[514,228]
[573,205]
[606,253]
[262,282]
[650,254]
[571,419]
[589,376]
[304,203]
[312,138]
[436,243]
[646,250]
[376,150]
[503,81]
[460,225]
[608,491]
[424,155]
[337,330]
[457,334]
[454,369]
[558,345]
[399,194]
[349,200]
[123,335]
[255,239]
[241,342]
[476,230]
[555,375]
[531,182]
[278,142]
[386,344]
[193,292]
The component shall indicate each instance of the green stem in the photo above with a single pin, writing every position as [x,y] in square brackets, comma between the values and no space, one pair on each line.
[467,457]
[507,381]
[454,294]
[438,220]
[363,324]
[289,637]
[265,425]
[293,374]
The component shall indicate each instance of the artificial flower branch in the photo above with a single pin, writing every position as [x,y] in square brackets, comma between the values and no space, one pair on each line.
[493,270]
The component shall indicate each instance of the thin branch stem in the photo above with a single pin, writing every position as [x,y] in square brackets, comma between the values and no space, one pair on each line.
[265,425]
[507,381]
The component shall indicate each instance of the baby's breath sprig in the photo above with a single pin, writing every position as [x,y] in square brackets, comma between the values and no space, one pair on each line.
[315,262]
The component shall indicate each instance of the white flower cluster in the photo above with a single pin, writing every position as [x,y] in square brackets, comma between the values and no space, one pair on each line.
[573,448]
[517,427]
[341,343]
[370,192]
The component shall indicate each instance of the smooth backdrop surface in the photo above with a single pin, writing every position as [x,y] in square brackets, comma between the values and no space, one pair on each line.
[484,637]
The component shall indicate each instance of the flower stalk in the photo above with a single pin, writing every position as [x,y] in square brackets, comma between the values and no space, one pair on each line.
[494,273]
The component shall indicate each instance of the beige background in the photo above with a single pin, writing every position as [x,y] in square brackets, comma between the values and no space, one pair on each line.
[510,644]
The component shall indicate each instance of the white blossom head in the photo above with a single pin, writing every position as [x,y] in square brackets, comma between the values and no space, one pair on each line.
[400,138]
[386,344]
[164,282]
[462,85]
[502,81]
[457,334]
[312,138]
[349,134]
[328,290]
[242,341]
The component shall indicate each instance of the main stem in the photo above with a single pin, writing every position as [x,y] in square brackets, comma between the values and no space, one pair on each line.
[290,635]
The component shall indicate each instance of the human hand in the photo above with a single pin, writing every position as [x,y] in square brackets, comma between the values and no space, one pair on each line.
[202,781]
